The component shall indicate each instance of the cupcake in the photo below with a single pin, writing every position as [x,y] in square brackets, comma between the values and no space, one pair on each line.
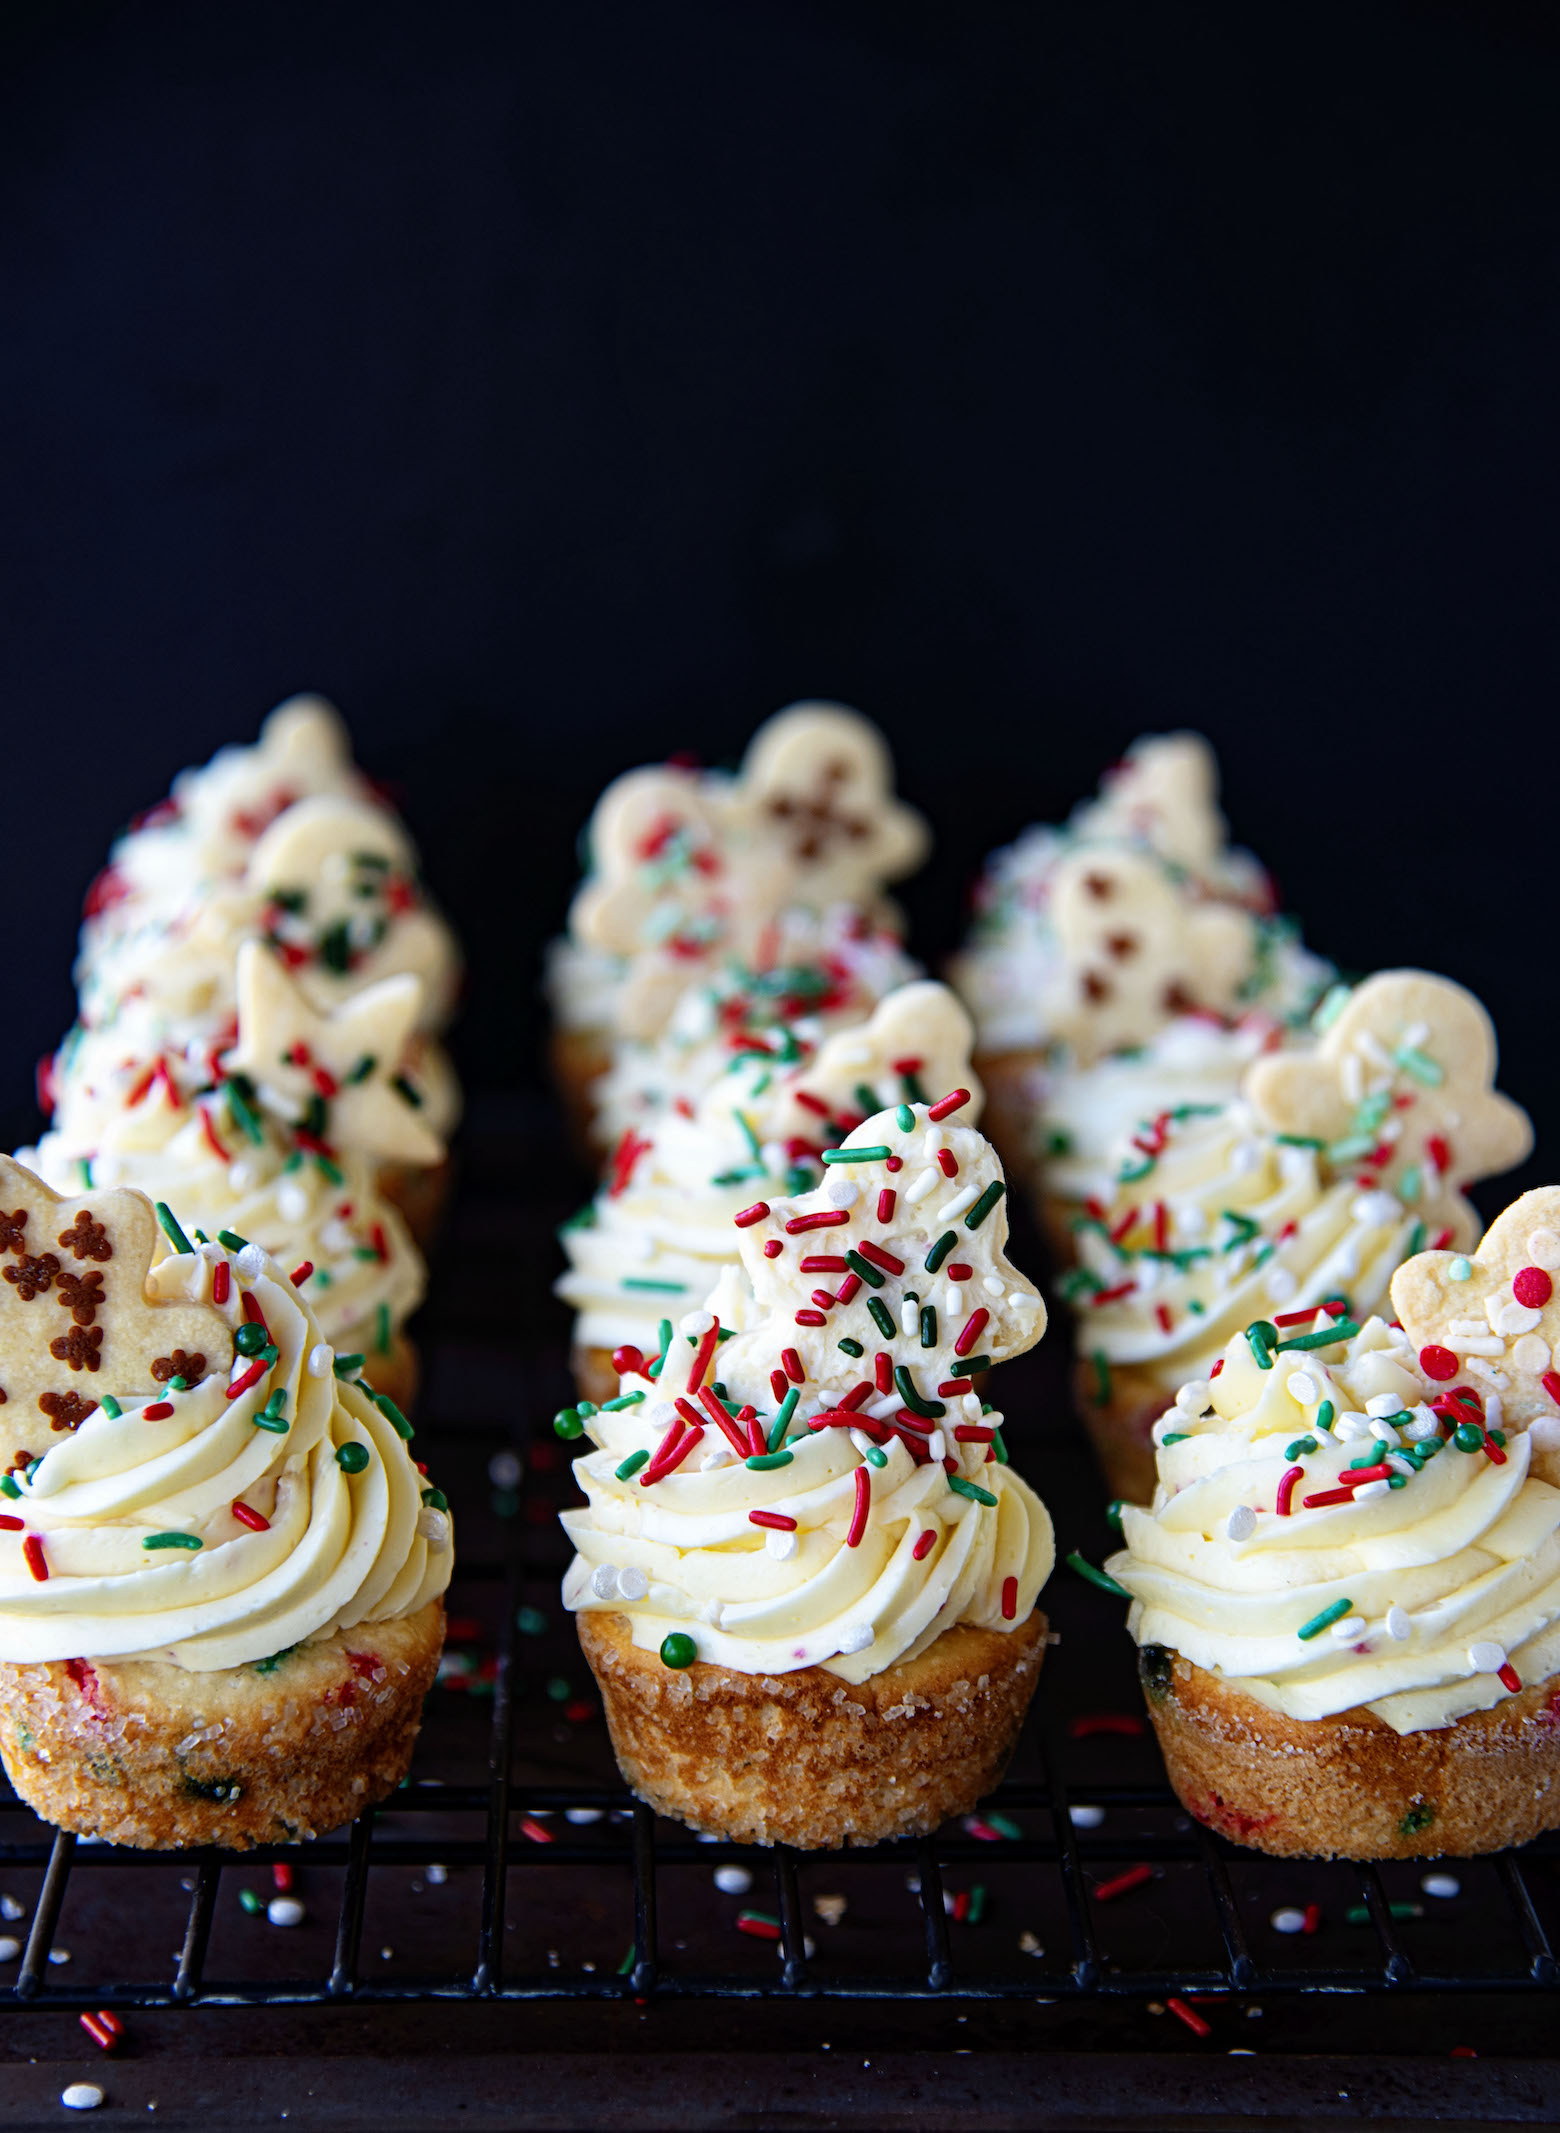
[1134,926]
[690,868]
[1309,1190]
[659,1234]
[1346,1598]
[277,1137]
[220,1583]
[806,1576]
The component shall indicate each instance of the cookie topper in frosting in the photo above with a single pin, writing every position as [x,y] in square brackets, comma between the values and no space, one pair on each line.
[1402,1086]
[1494,1315]
[1136,947]
[1163,795]
[340,1068]
[74,1303]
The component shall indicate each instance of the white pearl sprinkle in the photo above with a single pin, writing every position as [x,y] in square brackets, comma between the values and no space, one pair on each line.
[434,1527]
[1443,1885]
[1543,1248]
[321,1357]
[733,1880]
[1086,1817]
[1287,1920]
[632,1583]
[1303,1387]
[603,1580]
[1281,1284]
[1346,1629]
[580,1816]
[1399,1627]
[81,2096]
[1486,1657]
[1375,1209]
[251,1262]
[1241,1523]
[842,1193]
[779,1547]
[1194,1396]
[286,1911]
[10,1948]
[1513,1318]
[504,1470]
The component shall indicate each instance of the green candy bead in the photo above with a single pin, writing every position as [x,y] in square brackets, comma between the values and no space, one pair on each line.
[678,1649]
[568,1423]
[250,1338]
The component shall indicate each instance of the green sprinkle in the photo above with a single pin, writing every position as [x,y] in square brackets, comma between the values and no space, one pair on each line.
[1299,1140]
[1330,1007]
[857,1155]
[9,1486]
[1325,1414]
[363,1069]
[928,1325]
[766,1462]
[250,1902]
[627,1964]
[1097,1577]
[1328,1615]
[663,1335]
[850,1347]
[1341,1329]
[392,1414]
[1460,1270]
[111,1407]
[961,1487]
[1358,1914]
[985,1204]
[382,1330]
[278,1425]
[977,1907]
[171,1540]
[1419,1817]
[352,1458]
[1101,1377]
[1350,1147]
[558,1689]
[866,1099]
[624,1399]
[178,1384]
[678,1649]
[782,1421]
[244,1116]
[881,1318]
[1004,1825]
[632,1464]
[1423,1068]
[1058,1142]
[1416,1237]
[971,1366]
[873,1456]
[940,1250]
[999,1447]
[867,1272]
[928,1410]
[904,1119]
[1113,1511]
[1176,1436]
[664,1288]
[1498,1436]
[1300,1447]
[344,1365]
[531,1622]
[755,1146]
[1262,1338]
[171,1229]
[233,1241]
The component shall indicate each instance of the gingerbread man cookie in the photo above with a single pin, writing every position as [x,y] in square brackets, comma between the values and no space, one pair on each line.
[817,787]
[74,1313]
[1493,1317]
[1163,795]
[1136,948]
[336,1075]
[1401,1088]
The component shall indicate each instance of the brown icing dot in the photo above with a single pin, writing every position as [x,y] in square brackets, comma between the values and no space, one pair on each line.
[1178,999]
[1100,886]
[1122,945]
[1095,987]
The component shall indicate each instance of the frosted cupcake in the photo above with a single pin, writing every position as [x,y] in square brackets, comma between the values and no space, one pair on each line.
[220,1590]
[1346,1597]
[277,1138]
[688,869]
[1308,1191]
[806,1575]
[659,1234]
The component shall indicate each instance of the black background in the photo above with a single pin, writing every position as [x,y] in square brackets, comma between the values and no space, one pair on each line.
[558,386]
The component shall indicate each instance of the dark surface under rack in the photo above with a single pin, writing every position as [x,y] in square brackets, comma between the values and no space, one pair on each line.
[513,1940]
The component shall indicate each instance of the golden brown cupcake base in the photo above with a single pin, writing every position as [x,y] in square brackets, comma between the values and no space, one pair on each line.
[420,1193]
[1348,1787]
[1008,1118]
[1120,1425]
[1056,1217]
[807,1759]
[299,1744]
[594,1377]
[577,1059]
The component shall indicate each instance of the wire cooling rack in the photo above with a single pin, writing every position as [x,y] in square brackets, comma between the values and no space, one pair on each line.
[1081,1880]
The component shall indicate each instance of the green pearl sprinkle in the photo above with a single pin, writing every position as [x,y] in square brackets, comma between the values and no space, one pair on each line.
[904,1119]
[171,1540]
[1460,1270]
[567,1424]
[1467,1437]
[250,1338]
[632,1464]
[871,1454]
[352,1458]
[678,1649]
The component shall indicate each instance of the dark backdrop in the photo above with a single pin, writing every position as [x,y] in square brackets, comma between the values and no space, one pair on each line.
[556,386]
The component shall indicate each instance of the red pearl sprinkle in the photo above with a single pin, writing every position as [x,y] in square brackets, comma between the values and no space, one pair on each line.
[1532,1287]
[948,1104]
[773,1248]
[750,1215]
[924,1546]
[1009,1598]
[895,1163]
[628,1361]
[1438,1363]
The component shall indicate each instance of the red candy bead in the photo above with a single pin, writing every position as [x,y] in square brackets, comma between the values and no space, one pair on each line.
[1438,1363]
[1532,1287]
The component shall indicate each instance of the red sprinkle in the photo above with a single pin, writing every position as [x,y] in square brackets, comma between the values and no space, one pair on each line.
[251,1376]
[1009,1598]
[104,2028]
[281,1871]
[157,1413]
[628,1361]
[212,1142]
[750,1215]
[1509,1678]
[773,1247]
[858,1521]
[1286,1489]
[760,1928]
[701,1356]
[883,1368]
[221,1281]
[1438,1363]
[8,1524]
[947,1105]
[951,1388]
[1133,1878]
[37,1562]
[673,1450]
[1218,1366]
[1313,1918]
[301,1273]
[886,1200]
[959,1270]
[880,1258]
[1189,2015]
[823,1263]
[830,1218]
[792,1363]
[1551,1384]
[947,1163]
[536,1831]
[847,1289]
[1162,1313]
[824,1299]
[1438,1151]
[812,1103]
[756,1442]
[858,1395]
[780,1522]
[732,1431]
[1124,1225]
[925,1543]
[246,1517]
[809,1318]
[972,1433]
[778,1384]
[1326,1496]
[1110,1296]
[1332,1305]
[973,1326]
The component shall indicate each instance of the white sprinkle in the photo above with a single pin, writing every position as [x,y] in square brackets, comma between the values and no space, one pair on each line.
[580,1816]
[1241,1523]
[59,1955]
[10,1948]
[1372,1488]
[857,1639]
[504,1470]
[909,1319]
[252,1262]
[928,1181]
[292,1202]
[603,1581]
[11,1909]
[1375,1209]
[81,2096]
[953,1301]
[632,1583]
[243,1177]
[1401,1463]
[961,1202]
[1514,1318]
[1486,1657]
[1399,1627]
[1347,1628]
[733,1880]
[1245,1157]
[1543,1248]
[991,1285]
[1422,1427]
[434,1527]
[1303,1387]
[1350,1428]
[842,1193]
[1288,1920]
[721,1455]
[696,1322]
[437,1876]
[1167,1425]
[779,1547]
[660,1414]
[1020,1300]
[937,1444]
[1194,1396]
[970,1403]
[1531,1354]
[321,1357]
[1086,1817]
[288,1911]
[1384,1403]
[1281,1284]
[1445,1885]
